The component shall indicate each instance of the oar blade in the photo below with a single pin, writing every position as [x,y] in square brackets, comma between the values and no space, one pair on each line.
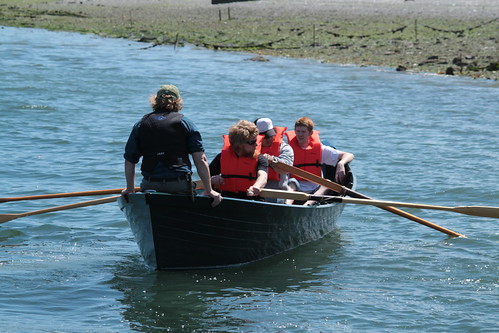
[8,217]
[483,211]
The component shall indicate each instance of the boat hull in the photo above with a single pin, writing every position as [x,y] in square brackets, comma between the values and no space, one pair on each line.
[175,232]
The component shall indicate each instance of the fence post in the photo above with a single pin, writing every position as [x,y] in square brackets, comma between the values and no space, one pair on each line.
[416,29]
[313,45]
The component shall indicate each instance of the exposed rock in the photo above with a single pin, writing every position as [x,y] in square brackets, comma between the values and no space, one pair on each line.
[492,67]
[259,58]
[459,62]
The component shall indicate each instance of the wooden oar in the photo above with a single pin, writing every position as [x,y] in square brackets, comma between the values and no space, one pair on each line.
[302,196]
[9,217]
[64,195]
[345,190]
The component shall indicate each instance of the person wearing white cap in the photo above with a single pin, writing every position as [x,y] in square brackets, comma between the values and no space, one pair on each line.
[275,149]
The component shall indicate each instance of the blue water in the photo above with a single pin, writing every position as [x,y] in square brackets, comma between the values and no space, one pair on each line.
[67,104]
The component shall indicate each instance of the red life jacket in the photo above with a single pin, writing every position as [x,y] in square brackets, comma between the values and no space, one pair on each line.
[274,149]
[310,158]
[239,173]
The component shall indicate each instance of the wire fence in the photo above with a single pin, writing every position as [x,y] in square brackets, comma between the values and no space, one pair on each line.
[416,25]
[316,32]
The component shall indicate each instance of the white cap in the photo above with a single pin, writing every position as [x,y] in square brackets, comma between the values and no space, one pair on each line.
[265,127]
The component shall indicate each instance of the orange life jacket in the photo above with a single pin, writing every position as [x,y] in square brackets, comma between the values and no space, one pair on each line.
[274,149]
[239,173]
[310,158]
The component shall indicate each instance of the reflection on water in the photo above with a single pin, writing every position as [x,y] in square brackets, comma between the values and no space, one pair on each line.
[189,300]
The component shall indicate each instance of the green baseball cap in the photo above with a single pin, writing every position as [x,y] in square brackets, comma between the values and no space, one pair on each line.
[169,89]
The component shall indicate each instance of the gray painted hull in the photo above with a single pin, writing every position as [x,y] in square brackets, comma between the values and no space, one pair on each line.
[173,232]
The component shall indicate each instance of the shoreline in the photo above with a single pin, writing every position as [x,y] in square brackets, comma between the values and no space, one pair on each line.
[452,37]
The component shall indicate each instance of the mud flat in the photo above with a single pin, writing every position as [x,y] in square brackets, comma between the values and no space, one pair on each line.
[453,37]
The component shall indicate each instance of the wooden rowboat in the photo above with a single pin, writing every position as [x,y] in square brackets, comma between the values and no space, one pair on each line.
[176,232]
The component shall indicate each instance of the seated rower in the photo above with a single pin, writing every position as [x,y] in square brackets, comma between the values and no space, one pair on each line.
[240,171]
[275,149]
[310,154]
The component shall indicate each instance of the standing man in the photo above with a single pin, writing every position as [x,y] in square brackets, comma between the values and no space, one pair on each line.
[311,154]
[240,171]
[164,139]
[276,150]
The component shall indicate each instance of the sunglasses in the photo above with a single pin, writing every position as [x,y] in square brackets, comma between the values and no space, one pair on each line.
[252,142]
